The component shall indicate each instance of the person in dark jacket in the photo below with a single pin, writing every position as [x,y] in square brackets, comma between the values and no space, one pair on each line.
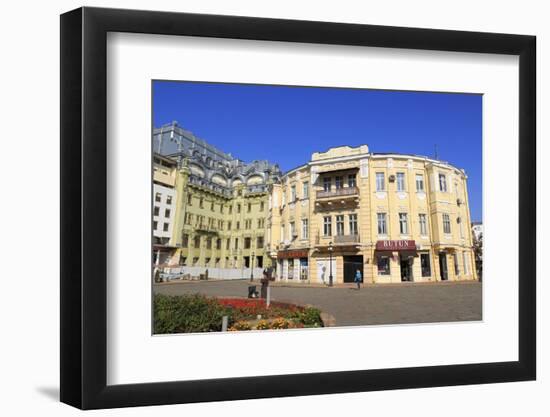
[358,279]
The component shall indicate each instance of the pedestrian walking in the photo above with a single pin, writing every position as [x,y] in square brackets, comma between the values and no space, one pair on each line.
[358,279]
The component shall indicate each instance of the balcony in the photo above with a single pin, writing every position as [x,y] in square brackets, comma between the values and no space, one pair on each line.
[338,240]
[346,239]
[339,192]
[338,198]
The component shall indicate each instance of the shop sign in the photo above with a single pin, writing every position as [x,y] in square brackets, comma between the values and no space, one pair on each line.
[292,254]
[396,245]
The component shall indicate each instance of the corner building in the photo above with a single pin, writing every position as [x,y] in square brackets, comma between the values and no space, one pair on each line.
[221,205]
[396,218]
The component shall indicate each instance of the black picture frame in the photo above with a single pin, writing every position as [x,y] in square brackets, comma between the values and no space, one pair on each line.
[84,207]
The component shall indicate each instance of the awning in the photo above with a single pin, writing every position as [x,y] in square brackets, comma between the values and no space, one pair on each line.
[296,253]
[396,245]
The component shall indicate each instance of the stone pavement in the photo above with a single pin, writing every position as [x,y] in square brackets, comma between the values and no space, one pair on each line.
[373,304]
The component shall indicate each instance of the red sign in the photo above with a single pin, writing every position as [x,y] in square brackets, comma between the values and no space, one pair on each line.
[292,254]
[395,245]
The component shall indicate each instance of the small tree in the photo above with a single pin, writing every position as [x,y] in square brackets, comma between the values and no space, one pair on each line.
[478,254]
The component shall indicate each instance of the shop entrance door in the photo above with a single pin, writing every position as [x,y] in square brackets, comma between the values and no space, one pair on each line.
[443,266]
[351,265]
[406,268]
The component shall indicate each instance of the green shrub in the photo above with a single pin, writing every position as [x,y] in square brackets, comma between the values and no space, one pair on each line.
[187,314]
[309,317]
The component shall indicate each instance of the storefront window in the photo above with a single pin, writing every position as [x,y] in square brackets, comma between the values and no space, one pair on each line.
[303,268]
[383,265]
[425,264]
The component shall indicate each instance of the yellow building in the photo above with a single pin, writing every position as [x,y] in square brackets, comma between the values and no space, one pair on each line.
[221,206]
[393,217]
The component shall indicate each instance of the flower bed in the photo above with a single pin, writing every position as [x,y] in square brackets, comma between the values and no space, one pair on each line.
[277,316]
[197,313]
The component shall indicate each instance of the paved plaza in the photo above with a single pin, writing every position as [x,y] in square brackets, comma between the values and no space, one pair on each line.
[373,304]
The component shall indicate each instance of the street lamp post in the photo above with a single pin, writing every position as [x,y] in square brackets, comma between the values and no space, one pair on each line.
[330,249]
[252,267]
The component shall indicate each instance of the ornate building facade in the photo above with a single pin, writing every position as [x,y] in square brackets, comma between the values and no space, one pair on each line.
[393,217]
[221,204]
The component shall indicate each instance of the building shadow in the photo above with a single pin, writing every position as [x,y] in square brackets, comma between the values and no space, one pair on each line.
[50,392]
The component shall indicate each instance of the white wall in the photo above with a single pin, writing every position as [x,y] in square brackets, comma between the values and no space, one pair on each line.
[30,306]
[161,219]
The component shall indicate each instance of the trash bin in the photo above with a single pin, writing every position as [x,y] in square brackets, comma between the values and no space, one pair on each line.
[252,293]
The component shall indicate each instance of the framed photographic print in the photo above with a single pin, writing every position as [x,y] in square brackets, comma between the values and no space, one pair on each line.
[258,208]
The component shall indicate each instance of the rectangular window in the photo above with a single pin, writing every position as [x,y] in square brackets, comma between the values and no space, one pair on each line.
[457,269]
[339,182]
[261,206]
[293,194]
[201,203]
[249,208]
[157,197]
[327,226]
[212,206]
[419,182]
[236,243]
[382,226]
[197,242]
[185,240]
[403,224]
[400,181]
[218,243]
[259,242]
[380,183]
[221,208]
[282,232]
[340,225]
[446,224]
[383,265]
[292,230]
[305,228]
[165,227]
[209,243]
[247,243]
[167,213]
[238,225]
[189,199]
[228,225]
[168,199]
[327,182]
[227,243]
[352,180]
[422,224]
[155,225]
[156,211]
[230,209]
[353,224]
[238,208]
[425,264]
[305,190]
[442,183]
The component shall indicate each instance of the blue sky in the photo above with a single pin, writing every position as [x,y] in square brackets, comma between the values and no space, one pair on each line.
[287,124]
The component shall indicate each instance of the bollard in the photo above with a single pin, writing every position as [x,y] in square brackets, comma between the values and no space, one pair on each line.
[224,323]
[268,298]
